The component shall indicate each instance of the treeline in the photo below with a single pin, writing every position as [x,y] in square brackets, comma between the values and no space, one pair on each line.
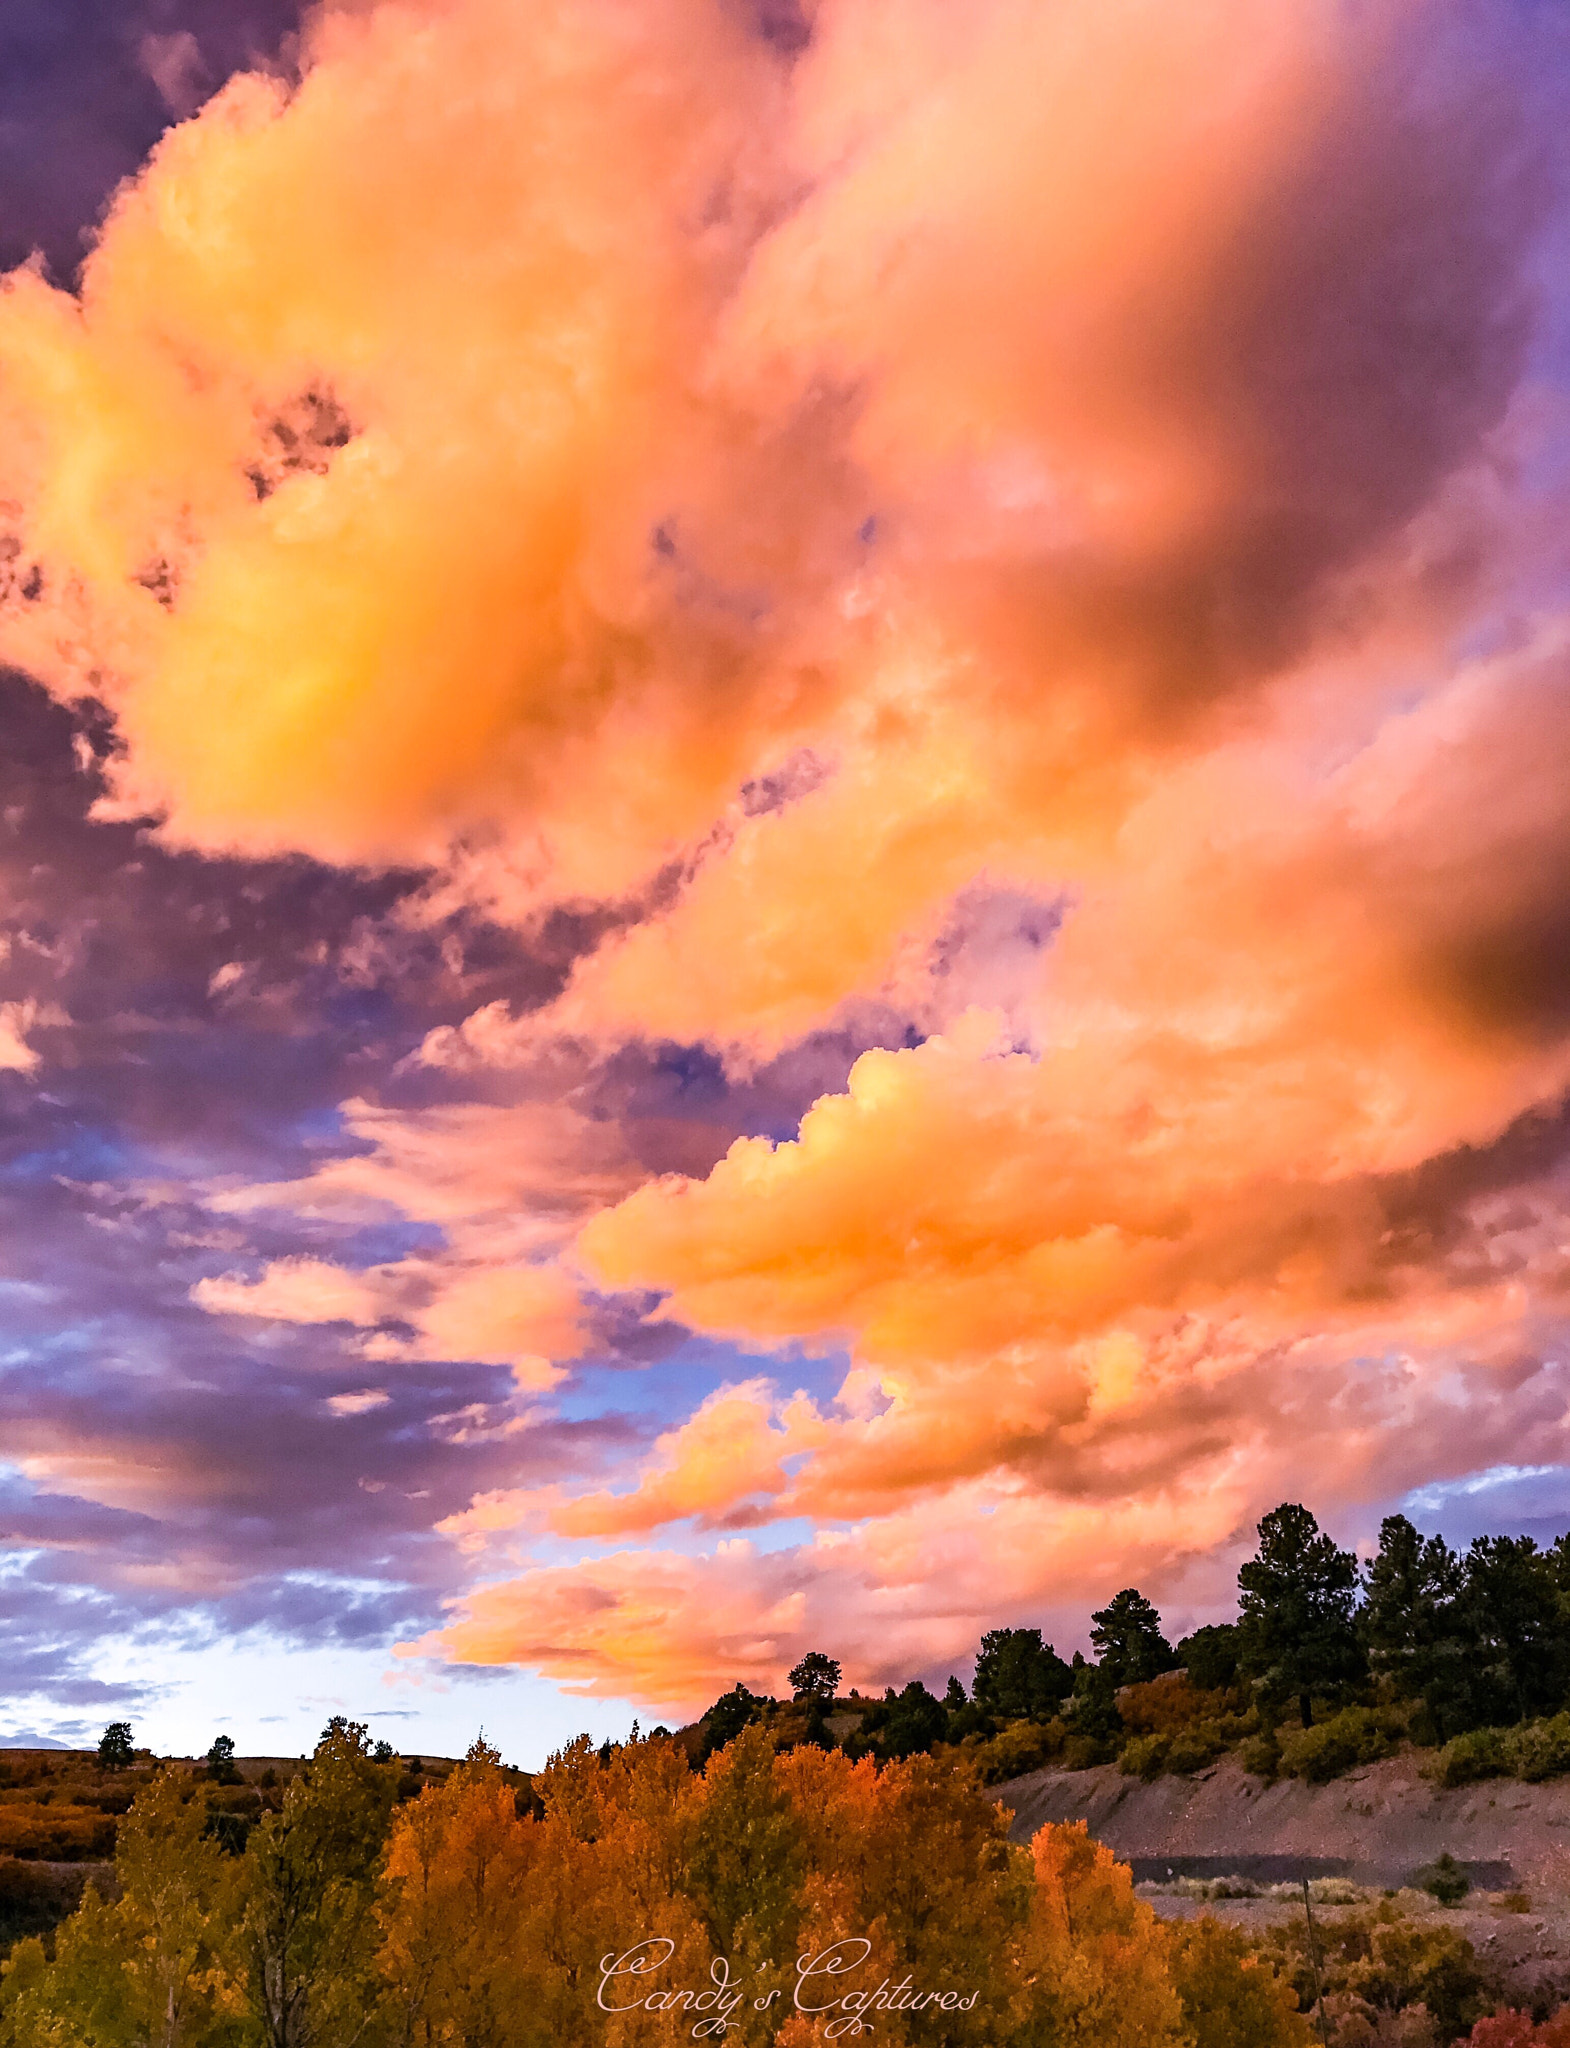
[1424,1644]
[467,1916]
[623,1888]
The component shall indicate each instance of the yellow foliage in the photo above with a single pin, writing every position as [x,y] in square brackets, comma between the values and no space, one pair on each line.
[1093,1957]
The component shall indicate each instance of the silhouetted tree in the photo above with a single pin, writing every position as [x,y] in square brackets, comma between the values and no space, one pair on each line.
[1210,1656]
[816,1677]
[220,1761]
[1415,1624]
[954,1697]
[1018,1676]
[1513,1603]
[915,1722]
[115,1751]
[730,1713]
[1128,1642]
[1296,1601]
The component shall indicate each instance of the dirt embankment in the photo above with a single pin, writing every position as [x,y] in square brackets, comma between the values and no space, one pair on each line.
[1377,1826]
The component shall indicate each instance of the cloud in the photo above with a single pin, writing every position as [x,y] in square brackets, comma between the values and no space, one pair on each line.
[299,1290]
[914,672]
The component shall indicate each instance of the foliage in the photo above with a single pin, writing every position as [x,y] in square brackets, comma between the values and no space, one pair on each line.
[1515,2030]
[1022,1746]
[816,1677]
[1230,1995]
[1378,1965]
[147,1971]
[1465,1758]
[1210,1656]
[1416,1624]
[305,1939]
[1445,1880]
[220,1761]
[1163,1705]
[1514,1599]
[1126,1635]
[1357,1735]
[1095,1957]
[730,1714]
[115,1752]
[1018,1676]
[1296,1602]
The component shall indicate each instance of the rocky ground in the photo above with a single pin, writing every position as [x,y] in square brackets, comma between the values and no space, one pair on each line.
[1361,1838]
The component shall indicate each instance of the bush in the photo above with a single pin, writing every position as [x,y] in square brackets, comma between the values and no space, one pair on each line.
[1445,1881]
[1022,1746]
[1193,1748]
[1231,1996]
[1163,1705]
[1539,1749]
[1145,1756]
[1261,1754]
[1465,1758]
[1357,1735]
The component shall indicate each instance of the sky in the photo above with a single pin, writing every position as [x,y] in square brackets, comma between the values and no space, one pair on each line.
[784,834]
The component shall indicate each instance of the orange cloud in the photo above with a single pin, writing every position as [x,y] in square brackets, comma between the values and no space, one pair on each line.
[1013,454]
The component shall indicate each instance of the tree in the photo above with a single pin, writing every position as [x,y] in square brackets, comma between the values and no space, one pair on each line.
[1231,1997]
[146,1971]
[915,1722]
[1094,1958]
[1414,1624]
[816,1677]
[1296,1601]
[730,1713]
[1210,1656]
[954,1697]
[115,1752]
[220,1761]
[1127,1639]
[1513,1604]
[310,1891]
[1018,1676]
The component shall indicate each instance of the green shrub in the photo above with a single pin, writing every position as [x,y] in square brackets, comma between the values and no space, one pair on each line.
[1539,1749]
[1022,1746]
[1357,1735]
[1144,1756]
[1480,1753]
[1261,1754]
[1195,1747]
[1445,1881]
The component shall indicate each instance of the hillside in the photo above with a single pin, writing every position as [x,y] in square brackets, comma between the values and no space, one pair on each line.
[1376,1825]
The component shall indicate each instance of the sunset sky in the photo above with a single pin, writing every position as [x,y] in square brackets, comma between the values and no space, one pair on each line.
[784,833]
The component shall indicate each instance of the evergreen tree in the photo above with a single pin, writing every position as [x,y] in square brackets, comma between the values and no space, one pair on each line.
[815,1677]
[730,1713]
[115,1752]
[1514,1606]
[1128,1642]
[915,1722]
[1415,1624]
[1210,1656]
[1019,1677]
[1296,1604]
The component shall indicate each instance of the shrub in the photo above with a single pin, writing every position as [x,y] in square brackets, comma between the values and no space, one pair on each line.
[1539,1749]
[1193,1748]
[1515,2030]
[1445,1881]
[1022,1746]
[1357,1735]
[1144,1756]
[1231,1996]
[1480,1753]
[1261,1754]
[1163,1705]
